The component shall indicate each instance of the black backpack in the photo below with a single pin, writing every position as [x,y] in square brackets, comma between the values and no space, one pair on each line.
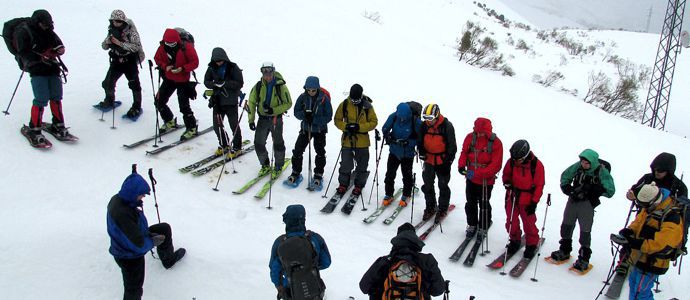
[9,34]
[682,206]
[299,262]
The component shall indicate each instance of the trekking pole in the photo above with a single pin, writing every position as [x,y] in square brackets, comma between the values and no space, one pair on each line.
[414,188]
[310,123]
[7,110]
[485,213]
[156,135]
[447,291]
[273,160]
[234,133]
[113,124]
[543,228]
[155,199]
[615,252]
[333,172]
[377,153]
[511,194]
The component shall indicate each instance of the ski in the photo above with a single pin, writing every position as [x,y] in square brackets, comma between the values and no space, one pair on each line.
[206,160]
[522,265]
[397,211]
[221,162]
[581,273]
[335,199]
[504,257]
[179,142]
[295,184]
[469,261]
[46,144]
[267,186]
[381,208]
[352,200]
[250,183]
[148,139]
[614,290]
[437,223]
[48,127]
[458,252]
[115,105]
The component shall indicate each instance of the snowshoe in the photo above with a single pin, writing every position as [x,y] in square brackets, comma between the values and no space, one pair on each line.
[106,106]
[36,139]
[133,114]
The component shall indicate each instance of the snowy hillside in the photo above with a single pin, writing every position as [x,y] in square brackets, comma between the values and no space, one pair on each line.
[54,242]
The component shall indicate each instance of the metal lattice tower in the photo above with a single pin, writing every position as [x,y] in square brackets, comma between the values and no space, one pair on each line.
[662,75]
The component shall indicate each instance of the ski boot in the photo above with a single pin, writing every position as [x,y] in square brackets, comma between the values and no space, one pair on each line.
[167,126]
[403,201]
[387,200]
[189,133]
[429,212]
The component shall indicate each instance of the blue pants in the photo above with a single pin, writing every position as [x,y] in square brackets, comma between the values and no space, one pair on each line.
[46,88]
[641,285]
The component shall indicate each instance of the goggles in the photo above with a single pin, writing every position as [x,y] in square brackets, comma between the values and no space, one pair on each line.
[171,44]
[428,117]
[266,70]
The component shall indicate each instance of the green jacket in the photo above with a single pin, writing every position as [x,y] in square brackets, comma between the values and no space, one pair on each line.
[279,105]
[604,177]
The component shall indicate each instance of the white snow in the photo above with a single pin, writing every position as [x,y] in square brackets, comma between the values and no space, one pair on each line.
[54,243]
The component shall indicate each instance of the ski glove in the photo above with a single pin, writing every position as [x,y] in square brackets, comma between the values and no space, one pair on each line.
[211,102]
[308,116]
[352,127]
[567,189]
[627,233]
[268,110]
[252,126]
[281,292]
[462,171]
[469,174]
[158,239]
[531,208]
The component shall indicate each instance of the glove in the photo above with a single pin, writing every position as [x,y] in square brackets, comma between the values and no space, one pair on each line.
[281,292]
[469,174]
[252,126]
[595,191]
[157,239]
[422,156]
[308,116]
[352,127]
[208,93]
[618,239]
[211,102]
[462,171]
[268,110]
[531,208]
[627,233]
[635,243]
[567,189]
[219,83]
[387,139]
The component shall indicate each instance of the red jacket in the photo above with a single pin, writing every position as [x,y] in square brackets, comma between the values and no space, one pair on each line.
[519,176]
[185,57]
[484,165]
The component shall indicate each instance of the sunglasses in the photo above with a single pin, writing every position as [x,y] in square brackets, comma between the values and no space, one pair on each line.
[311,90]
[266,70]
[117,22]
[171,44]
[659,171]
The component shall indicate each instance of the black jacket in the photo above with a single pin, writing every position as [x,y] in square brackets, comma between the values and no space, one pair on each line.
[32,42]
[406,245]
[664,161]
[228,94]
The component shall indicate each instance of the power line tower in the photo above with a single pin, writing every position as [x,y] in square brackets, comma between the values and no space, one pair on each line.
[660,86]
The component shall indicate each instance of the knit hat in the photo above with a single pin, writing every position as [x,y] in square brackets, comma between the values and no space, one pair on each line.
[406,227]
[649,194]
[356,92]
[118,15]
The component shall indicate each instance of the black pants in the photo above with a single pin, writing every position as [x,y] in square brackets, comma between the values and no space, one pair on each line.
[392,170]
[319,147]
[131,71]
[473,192]
[165,91]
[429,175]
[219,114]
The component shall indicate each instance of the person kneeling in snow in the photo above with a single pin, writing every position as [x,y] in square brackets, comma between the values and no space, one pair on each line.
[131,237]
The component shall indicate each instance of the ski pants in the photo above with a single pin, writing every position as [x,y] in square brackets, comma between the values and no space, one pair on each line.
[133,270]
[477,198]
[167,88]
[582,212]
[392,169]
[302,143]
[46,89]
[429,175]
[348,158]
[219,114]
[129,68]
[529,222]
[641,284]
[274,126]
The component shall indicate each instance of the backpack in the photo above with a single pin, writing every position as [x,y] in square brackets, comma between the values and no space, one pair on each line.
[185,35]
[298,259]
[416,109]
[682,206]
[404,281]
[489,147]
[9,31]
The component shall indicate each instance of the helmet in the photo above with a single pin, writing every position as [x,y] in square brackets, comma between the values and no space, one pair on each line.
[431,112]
[267,67]
[519,149]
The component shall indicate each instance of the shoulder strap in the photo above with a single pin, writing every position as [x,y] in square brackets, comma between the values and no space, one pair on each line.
[490,147]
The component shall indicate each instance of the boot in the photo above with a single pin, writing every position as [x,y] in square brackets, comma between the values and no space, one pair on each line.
[265,170]
[59,129]
[177,256]
[170,125]
[317,179]
[189,133]
[403,201]
[341,189]
[513,247]
[530,251]
[387,200]
[220,150]
[428,213]
[582,263]
[470,231]
[133,112]
[357,191]
[293,178]
[36,137]
[441,214]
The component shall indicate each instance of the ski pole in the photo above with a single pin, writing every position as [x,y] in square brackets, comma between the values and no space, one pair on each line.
[543,228]
[485,222]
[615,252]
[113,124]
[7,110]
[510,227]
[333,172]
[310,123]
[155,105]
[273,160]
[447,291]
[376,172]
[414,188]
[219,119]
[155,199]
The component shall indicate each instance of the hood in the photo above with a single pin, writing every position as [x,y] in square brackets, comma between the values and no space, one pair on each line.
[664,161]
[294,218]
[312,82]
[591,156]
[277,77]
[171,36]
[41,16]
[407,239]
[403,112]
[483,125]
[118,15]
[133,187]
[219,54]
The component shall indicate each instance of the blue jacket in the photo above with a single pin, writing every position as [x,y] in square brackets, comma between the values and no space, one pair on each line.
[322,110]
[127,225]
[401,130]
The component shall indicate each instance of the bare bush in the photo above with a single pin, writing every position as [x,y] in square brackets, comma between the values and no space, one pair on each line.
[478,50]
[550,78]
[374,16]
[622,100]
[522,45]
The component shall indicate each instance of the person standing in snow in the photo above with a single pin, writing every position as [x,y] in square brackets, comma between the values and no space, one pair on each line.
[663,168]
[131,237]
[583,182]
[224,78]
[125,54]
[314,109]
[269,99]
[523,178]
[480,161]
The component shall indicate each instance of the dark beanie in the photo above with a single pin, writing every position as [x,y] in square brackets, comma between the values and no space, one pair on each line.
[405,227]
[42,16]
[356,91]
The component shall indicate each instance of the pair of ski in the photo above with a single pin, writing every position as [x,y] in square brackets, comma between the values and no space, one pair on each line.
[469,260]
[266,187]
[219,163]
[337,197]
[379,211]
[571,268]
[178,142]
[520,267]
[151,138]
[46,144]
[436,223]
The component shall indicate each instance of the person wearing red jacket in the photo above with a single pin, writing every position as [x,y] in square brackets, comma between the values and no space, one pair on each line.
[523,178]
[480,161]
[176,59]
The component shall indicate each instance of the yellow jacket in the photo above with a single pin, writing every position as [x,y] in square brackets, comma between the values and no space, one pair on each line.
[362,114]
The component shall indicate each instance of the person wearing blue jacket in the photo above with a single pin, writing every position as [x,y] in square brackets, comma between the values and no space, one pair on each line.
[400,133]
[131,237]
[294,219]
[314,109]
